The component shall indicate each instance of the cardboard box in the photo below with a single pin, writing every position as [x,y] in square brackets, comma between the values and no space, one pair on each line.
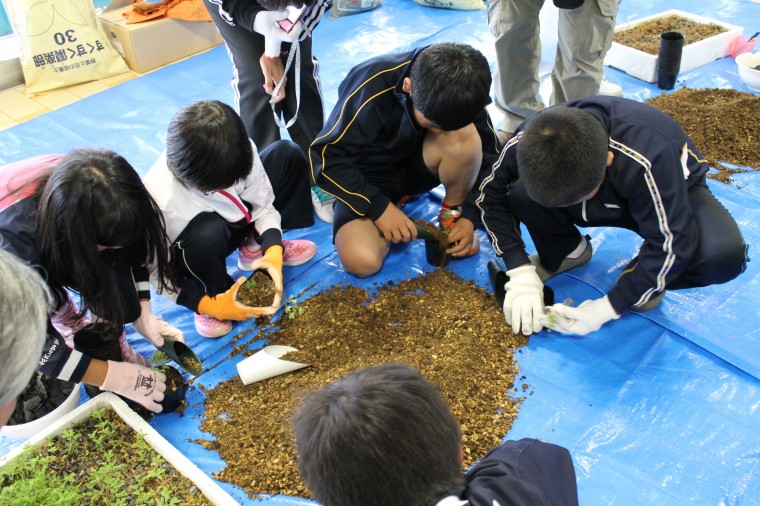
[644,66]
[146,46]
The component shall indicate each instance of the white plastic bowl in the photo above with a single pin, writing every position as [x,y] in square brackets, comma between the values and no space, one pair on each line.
[24,431]
[747,63]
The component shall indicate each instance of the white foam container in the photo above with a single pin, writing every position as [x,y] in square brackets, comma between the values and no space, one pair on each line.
[644,66]
[24,431]
[213,492]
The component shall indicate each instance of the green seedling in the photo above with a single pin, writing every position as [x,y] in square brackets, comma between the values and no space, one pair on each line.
[159,358]
[99,461]
[292,309]
[250,283]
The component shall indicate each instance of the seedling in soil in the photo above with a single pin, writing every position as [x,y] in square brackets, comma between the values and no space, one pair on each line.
[292,309]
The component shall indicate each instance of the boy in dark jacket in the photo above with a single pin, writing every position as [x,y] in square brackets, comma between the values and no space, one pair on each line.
[385,435]
[403,124]
[604,161]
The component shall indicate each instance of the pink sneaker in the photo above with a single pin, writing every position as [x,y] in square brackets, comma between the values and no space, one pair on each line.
[211,327]
[65,321]
[297,252]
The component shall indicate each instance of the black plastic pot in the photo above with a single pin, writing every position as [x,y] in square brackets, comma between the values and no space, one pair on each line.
[175,388]
[435,254]
[499,278]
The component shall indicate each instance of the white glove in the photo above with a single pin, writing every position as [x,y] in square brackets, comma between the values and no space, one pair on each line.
[137,383]
[265,23]
[153,328]
[524,300]
[581,320]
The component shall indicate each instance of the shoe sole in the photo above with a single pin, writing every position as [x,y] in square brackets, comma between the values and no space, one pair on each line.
[209,336]
[247,267]
[582,260]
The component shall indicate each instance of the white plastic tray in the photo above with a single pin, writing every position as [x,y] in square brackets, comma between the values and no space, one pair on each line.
[644,66]
[213,492]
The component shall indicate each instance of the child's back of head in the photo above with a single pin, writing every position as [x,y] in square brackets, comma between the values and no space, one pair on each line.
[380,436]
[562,155]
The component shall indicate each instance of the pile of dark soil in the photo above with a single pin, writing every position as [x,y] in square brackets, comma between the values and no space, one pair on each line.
[646,36]
[722,123]
[449,329]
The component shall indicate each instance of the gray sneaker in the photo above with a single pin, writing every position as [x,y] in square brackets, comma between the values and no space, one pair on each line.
[567,264]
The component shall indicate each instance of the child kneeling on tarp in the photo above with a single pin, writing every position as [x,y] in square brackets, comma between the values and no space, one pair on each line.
[218,194]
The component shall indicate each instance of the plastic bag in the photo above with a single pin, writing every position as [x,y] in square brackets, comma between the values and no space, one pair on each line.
[348,7]
[61,43]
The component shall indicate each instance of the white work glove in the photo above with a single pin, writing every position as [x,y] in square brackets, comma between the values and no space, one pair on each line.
[524,300]
[153,328]
[137,383]
[265,23]
[581,320]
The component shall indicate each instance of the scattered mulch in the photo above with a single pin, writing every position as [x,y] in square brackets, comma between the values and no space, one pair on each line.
[722,123]
[646,36]
[258,291]
[450,329]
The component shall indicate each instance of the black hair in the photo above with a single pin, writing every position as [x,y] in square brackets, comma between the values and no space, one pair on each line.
[207,146]
[382,435]
[450,84]
[94,197]
[562,155]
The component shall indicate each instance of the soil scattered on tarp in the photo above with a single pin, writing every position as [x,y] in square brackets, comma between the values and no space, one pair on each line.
[450,329]
[722,123]
[646,36]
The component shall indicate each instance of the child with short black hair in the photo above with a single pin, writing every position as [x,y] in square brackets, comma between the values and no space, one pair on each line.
[403,124]
[385,435]
[218,195]
[605,161]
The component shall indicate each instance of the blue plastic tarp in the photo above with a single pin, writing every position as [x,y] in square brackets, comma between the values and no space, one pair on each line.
[656,408]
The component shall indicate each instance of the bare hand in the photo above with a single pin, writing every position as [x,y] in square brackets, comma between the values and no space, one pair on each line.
[460,238]
[273,71]
[395,226]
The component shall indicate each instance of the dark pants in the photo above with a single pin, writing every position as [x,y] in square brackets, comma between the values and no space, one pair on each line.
[720,255]
[411,177]
[245,47]
[201,250]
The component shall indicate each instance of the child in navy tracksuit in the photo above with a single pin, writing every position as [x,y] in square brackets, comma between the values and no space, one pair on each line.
[605,161]
[403,124]
[385,435]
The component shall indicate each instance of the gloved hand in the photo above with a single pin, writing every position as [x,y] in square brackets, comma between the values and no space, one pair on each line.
[524,300]
[266,23]
[581,320]
[137,383]
[271,261]
[226,307]
[153,328]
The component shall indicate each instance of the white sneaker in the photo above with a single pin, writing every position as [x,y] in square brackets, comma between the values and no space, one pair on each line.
[609,89]
[323,204]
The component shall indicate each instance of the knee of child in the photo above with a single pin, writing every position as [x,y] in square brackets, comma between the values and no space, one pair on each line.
[361,266]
